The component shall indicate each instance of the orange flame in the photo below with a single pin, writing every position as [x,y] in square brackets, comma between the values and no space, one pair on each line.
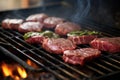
[22,72]
[10,69]
[6,70]
[29,62]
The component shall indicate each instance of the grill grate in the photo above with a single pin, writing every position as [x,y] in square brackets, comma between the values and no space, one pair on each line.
[107,64]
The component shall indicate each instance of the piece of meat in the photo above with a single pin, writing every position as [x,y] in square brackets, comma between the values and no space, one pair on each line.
[38,37]
[85,39]
[5,24]
[82,36]
[58,45]
[37,17]
[30,26]
[111,45]
[80,56]
[51,22]
[66,27]
[11,23]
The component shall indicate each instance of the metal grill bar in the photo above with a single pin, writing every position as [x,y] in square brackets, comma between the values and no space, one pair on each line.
[96,70]
[100,65]
[117,61]
[110,64]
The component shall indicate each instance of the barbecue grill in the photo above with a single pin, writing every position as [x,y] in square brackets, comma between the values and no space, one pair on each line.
[12,44]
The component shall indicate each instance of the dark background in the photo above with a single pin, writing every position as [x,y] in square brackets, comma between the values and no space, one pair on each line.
[101,11]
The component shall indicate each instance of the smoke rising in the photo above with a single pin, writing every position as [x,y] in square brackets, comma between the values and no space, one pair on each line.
[82,10]
[94,10]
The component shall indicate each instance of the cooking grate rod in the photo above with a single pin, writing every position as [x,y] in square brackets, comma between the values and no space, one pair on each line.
[110,64]
[117,61]
[110,70]
[96,70]
[108,77]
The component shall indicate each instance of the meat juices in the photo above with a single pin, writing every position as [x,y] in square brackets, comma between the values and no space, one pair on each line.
[66,27]
[80,56]
[111,45]
[51,22]
[58,45]
[30,26]
[37,17]
[11,23]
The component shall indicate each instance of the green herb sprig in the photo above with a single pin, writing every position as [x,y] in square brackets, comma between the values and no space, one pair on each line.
[84,32]
[46,33]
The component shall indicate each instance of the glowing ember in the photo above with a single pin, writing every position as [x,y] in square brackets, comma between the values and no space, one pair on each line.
[16,78]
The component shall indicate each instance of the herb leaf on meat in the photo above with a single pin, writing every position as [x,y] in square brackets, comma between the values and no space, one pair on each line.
[47,33]
[30,34]
[81,33]
[50,34]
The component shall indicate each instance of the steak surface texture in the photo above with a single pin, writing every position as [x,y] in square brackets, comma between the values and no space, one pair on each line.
[85,39]
[12,23]
[51,22]
[80,56]
[30,26]
[66,27]
[111,45]
[58,45]
[37,17]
